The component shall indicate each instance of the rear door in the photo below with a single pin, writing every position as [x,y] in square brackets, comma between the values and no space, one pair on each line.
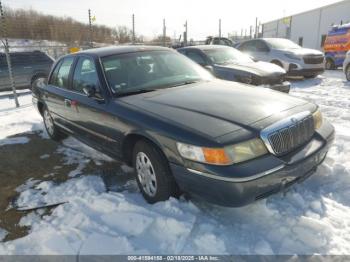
[4,75]
[22,66]
[56,93]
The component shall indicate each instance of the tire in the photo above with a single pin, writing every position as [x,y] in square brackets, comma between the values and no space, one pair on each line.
[329,64]
[153,174]
[347,73]
[52,130]
[38,81]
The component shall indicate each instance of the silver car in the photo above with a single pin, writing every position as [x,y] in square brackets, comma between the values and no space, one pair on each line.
[296,60]
[346,66]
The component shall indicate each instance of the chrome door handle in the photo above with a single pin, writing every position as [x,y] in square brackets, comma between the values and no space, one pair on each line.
[27,67]
[67,103]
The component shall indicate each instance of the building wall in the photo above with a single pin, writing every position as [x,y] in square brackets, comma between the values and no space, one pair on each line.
[310,25]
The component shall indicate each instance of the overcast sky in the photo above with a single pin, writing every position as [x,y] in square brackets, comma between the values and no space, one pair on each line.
[202,15]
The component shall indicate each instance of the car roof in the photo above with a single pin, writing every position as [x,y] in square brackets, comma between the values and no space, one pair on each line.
[115,50]
[204,47]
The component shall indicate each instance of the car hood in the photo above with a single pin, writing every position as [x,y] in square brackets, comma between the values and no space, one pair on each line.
[213,108]
[304,51]
[257,68]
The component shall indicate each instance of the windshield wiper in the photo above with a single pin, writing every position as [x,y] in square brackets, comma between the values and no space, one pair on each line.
[185,83]
[135,92]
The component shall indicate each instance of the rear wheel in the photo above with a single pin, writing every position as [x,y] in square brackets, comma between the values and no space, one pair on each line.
[153,174]
[347,73]
[51,129]
[329,64]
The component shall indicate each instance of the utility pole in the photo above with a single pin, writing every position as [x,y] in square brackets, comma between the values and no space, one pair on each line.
[220,28]
[90,30]
[133,29]
[7,53]
[164,33]
[256,28]
[185,34]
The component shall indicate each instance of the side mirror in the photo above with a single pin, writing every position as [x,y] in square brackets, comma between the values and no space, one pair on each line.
[254,59]
[89,90]
[209,68]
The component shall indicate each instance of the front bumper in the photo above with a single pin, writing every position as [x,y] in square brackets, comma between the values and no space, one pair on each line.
[284,87]
[306,72]
[239,185]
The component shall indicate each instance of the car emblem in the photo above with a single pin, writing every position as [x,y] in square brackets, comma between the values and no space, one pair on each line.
[294,120]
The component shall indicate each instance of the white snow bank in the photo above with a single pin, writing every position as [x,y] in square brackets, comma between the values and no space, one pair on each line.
[3,234]
[313,218]
[18,120]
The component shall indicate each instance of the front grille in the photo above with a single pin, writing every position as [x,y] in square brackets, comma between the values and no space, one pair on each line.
[313,60]
[289,138]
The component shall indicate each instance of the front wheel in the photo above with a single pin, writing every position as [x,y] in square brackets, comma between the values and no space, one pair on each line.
[153,174]
[329,64]
[51,129]
[347,73]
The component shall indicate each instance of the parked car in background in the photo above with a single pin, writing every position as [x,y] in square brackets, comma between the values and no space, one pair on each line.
[297,61]
[346,66]
[336,45]
[230,64]
[219,41]
[181,128]
[30,69]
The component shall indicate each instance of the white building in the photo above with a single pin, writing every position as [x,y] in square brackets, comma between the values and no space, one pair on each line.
[309,28]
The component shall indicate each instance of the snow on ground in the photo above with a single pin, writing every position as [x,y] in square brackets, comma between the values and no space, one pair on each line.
[313,218]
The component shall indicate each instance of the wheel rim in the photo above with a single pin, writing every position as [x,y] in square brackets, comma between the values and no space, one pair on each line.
[328,64]
[48,122]
[40,82]
[146,174]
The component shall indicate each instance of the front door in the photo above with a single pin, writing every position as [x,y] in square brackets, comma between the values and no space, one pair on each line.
[88,115]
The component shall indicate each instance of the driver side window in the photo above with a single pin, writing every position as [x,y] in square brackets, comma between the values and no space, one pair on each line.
[84,75]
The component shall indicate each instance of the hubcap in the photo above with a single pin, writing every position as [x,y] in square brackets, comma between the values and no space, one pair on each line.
[48,122]
[146,174]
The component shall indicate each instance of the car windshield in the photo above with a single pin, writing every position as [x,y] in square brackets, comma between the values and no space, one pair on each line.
[150,70]
[226,56]
[278,43]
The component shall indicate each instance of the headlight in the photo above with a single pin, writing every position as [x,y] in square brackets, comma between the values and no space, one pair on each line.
[317,119]
[293,57]
[223,156]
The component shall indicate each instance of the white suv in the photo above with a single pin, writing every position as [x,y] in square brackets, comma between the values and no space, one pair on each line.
[346,66]
[296,60]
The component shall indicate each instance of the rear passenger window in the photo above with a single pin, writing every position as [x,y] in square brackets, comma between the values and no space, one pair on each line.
[60,76]
[85,74]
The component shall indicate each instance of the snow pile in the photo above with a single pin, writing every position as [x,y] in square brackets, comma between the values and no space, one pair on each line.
[313,218]
[14,140]
[18,120]
[3,234]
